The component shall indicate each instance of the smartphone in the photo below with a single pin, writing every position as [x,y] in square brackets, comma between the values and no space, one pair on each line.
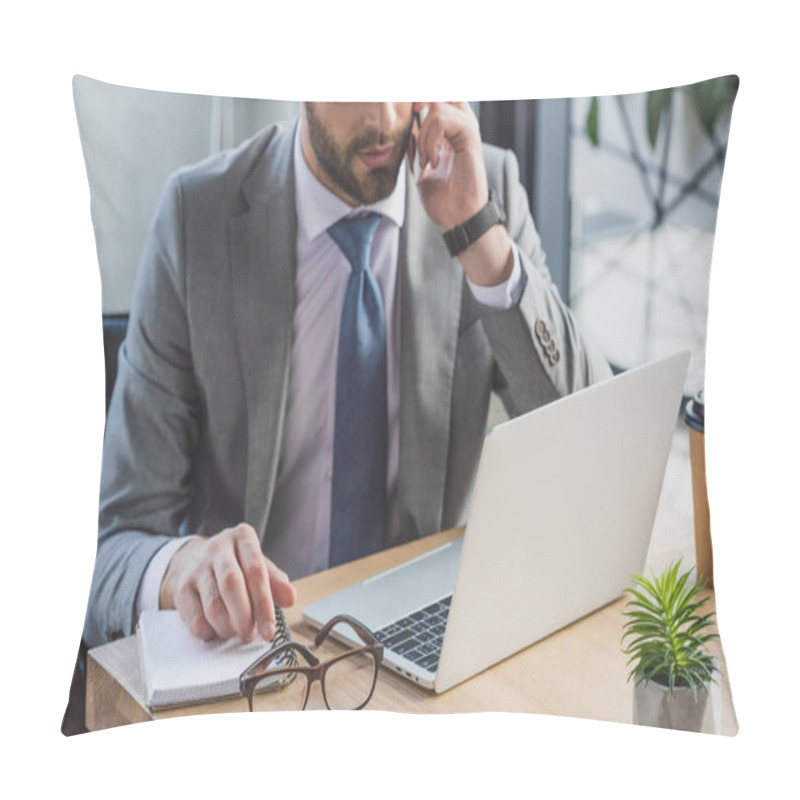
[413,150]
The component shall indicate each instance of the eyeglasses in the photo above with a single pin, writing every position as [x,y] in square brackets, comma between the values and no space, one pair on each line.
[283,683]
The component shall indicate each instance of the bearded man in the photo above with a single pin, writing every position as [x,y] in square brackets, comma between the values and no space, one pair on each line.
[320,318]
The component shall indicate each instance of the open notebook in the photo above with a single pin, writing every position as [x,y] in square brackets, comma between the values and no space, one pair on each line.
[180,669]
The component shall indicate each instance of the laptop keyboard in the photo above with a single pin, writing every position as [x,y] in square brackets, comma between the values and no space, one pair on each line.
[418,637]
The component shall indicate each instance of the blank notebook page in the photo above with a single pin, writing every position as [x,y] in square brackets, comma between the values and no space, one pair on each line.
[181,669]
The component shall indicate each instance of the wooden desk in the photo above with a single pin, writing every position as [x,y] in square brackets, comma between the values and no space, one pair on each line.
[577,672]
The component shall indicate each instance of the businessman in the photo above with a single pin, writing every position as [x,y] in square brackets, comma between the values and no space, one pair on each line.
[320,318]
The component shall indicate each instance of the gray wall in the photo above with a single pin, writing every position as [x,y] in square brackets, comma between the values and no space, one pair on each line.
[640,290]
[132,140]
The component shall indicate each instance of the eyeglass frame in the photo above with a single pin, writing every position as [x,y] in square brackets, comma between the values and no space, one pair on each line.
[316,669]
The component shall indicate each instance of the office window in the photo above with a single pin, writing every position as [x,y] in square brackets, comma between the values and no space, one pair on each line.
[644,203]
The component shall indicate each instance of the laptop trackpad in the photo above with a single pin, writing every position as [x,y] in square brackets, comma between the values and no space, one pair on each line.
[395,593]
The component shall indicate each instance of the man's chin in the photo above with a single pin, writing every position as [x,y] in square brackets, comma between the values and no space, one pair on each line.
[381,186]
[378,183]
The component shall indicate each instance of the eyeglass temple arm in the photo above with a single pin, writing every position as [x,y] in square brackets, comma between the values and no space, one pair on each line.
[263,662]
[366,635]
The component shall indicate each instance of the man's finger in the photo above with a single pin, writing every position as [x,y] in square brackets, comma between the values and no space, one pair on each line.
[283,593]
[213,605]
[431,137]
[230,581]
[447,125]
[254,570]
[190,610]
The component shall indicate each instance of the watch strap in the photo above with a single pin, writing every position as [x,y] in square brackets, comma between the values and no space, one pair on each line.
[462,236]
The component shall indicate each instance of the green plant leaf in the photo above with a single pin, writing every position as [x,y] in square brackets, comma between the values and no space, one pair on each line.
[701,623]
[641,601]
[686,614]
[657,102]
[679,591]
[593,121]
[710,97]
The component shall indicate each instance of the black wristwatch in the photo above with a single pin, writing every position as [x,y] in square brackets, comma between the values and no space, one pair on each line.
[462,236]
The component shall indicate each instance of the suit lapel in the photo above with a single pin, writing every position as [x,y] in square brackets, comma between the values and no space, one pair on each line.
[431,285]
[263,271]
[263,265]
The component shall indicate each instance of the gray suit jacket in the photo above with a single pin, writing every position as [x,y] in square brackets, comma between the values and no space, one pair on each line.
[194,428]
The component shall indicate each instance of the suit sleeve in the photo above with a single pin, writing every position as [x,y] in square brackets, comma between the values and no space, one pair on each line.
[539,352]
[151,430]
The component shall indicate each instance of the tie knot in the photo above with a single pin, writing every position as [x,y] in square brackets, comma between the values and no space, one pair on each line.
[354,236]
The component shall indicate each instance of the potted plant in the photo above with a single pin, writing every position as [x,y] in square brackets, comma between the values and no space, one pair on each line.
[667,644]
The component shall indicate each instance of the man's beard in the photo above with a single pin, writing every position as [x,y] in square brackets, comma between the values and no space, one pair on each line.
[335,162]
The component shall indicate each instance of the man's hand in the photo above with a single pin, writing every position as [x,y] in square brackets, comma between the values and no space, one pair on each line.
[454,187]
[224,586]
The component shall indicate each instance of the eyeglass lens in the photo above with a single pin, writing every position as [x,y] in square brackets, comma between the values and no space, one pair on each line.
[280,691]
[348,683]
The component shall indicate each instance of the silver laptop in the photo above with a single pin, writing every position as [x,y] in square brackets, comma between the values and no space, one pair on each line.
[561,517]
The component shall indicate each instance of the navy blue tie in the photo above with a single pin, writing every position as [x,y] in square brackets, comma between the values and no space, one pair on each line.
[360,442]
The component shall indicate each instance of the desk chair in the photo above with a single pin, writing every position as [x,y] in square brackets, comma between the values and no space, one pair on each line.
[115,327]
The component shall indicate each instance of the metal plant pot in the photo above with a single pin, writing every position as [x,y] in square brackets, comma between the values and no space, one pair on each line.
[653,705]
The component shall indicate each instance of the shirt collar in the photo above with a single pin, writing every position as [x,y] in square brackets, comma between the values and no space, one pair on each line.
[318,207]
